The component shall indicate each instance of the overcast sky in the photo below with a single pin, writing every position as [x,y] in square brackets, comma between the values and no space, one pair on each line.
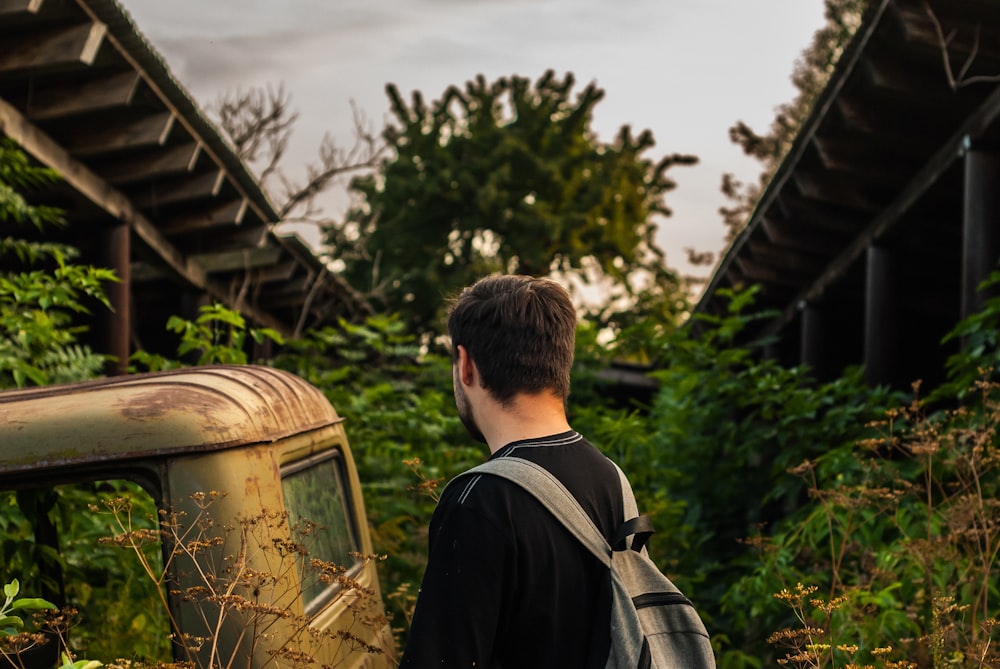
[685,69]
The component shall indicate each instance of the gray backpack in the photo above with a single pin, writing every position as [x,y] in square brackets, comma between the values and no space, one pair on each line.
[652,624]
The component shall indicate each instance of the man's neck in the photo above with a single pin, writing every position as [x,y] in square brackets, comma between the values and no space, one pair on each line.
[524,417]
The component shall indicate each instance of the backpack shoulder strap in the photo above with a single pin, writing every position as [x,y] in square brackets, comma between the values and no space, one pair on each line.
[628,497]
[640,526]
[550,491]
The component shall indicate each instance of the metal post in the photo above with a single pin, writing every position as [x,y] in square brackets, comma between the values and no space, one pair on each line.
[981,223]
[881,317]
[813,345]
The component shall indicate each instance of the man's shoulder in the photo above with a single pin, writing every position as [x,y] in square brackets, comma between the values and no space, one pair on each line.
[472,487]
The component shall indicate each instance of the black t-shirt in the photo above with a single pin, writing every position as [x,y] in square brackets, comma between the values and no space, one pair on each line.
[507,586]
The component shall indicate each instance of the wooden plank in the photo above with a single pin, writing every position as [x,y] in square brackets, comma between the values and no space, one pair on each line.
[197,187]
[785,258]
[291,294]
[151,130]
[244,236]
[832,188]
[785,233]
[280,272]
[927,89]
[65,46]
[757,273]
[237,260]
[8,7]
[810,215]
[169,161]
[861,160]
[231,212]
[70,98]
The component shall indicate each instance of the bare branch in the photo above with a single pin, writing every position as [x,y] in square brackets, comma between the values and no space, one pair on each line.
[944,41]
[333,163]
[314,289]
[972,55]
[259,124]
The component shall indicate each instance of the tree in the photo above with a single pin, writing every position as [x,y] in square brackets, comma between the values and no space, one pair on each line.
[504,176]
[811,73]
[42,291]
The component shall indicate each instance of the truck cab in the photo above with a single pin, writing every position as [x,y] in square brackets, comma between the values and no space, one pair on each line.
[212,515]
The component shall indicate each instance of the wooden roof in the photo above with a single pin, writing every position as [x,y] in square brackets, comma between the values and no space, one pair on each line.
[83,92]
[878,162]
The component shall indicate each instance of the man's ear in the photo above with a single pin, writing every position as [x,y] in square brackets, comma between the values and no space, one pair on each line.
[466,368]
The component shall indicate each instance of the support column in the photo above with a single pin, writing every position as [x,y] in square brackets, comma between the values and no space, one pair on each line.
[881,317]
[814,338]
[981,223]
[115,324]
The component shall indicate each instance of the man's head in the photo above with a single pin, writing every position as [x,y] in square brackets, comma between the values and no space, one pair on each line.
[519,331]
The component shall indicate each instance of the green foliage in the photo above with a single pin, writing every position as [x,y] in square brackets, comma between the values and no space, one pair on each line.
[42,292]
[978,354]
[217,336]
[731,423]
[400,417]
[54,542]
[900,538]
[16,643]
[903,540]
[11,621]
[502,176]
[17,175]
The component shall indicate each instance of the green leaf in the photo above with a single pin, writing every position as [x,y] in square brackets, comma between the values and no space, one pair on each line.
[32,604]
[11,622]
[11,589]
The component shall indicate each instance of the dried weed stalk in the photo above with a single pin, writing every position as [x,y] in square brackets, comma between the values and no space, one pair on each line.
[911,544]
[243,586]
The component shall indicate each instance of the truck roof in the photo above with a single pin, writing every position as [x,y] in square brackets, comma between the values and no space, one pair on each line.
[193,409]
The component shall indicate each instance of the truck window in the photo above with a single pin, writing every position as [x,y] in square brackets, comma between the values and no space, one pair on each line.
[314,493]
[55,544]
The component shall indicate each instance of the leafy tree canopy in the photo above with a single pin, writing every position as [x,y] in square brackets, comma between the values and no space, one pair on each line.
[504,176]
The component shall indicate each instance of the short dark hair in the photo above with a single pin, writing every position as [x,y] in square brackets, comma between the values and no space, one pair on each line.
[519,330]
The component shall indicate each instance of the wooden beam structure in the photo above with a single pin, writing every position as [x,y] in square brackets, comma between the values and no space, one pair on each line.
[14,125]
[887,202]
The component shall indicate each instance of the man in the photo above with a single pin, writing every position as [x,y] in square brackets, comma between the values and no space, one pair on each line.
[506,584]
